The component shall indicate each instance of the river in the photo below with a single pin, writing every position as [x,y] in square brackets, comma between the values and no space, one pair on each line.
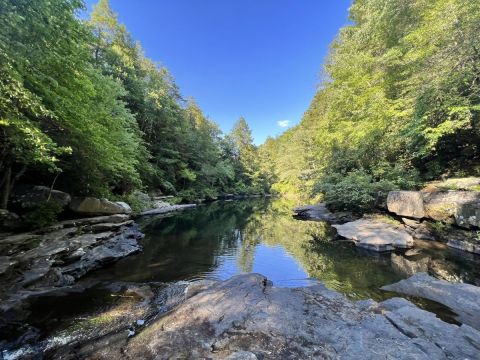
[222,239]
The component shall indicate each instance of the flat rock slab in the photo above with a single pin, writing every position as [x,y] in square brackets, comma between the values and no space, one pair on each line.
[167,209]
[246,317]
[375,235]
[463,299]
[468,246]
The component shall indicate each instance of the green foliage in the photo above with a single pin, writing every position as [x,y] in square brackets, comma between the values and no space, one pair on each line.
[400,95]
[24,143]
[43,215]
[356,191]
[137,200]
[79,98]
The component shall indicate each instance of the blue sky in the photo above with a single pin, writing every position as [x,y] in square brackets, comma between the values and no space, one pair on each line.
[260,59]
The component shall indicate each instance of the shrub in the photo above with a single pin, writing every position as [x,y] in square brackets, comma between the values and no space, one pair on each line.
[43,215]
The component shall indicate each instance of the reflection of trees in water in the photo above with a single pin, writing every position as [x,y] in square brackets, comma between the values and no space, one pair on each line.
[193,243]
[337,264]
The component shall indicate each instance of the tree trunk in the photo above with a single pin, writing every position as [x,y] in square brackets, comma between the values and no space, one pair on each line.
[6,188]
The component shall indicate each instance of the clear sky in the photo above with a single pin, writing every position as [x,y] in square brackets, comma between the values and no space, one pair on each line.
[260,59]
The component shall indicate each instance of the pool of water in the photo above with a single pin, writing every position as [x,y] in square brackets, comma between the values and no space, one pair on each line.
[222,239]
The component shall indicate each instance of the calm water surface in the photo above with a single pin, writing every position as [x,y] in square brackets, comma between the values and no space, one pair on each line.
[223,239]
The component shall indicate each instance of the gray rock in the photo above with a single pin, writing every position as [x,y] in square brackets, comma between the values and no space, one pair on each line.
[375,235]
[469,246]
[460,207]
[94,206]
[442,340]
[461,298]
[127,209]
[31,197]
[318,212]
[246,317]
[411,223]
[168,209]
[110,226]
[113,219]
[109,250]
[468,214]
[54,258]
[423,232]
[242,355]
[406,203]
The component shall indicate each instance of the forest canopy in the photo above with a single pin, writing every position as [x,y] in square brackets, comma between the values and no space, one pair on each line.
[81,105]
[399,104]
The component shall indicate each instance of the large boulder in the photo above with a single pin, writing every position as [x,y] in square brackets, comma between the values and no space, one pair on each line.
[406,203]
[461,207]
[94,206]
[246,317]
[375,235]
[28,197]
[462,298]
[456,207]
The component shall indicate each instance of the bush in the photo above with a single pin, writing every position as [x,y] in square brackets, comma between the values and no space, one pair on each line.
[356,191]
[43,215]
[137,200]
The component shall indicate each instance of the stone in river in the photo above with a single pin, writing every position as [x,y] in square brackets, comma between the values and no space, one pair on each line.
[375,235]
[462,298]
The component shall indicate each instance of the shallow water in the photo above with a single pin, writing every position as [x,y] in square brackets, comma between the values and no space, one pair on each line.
[219,240]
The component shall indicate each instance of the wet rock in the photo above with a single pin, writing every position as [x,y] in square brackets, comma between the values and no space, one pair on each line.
[109,250]
[94,206]
[461,298]
[28,197]
[406,203]
[375,235]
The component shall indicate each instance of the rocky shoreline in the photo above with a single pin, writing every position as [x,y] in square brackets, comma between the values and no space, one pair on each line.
[246,317]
